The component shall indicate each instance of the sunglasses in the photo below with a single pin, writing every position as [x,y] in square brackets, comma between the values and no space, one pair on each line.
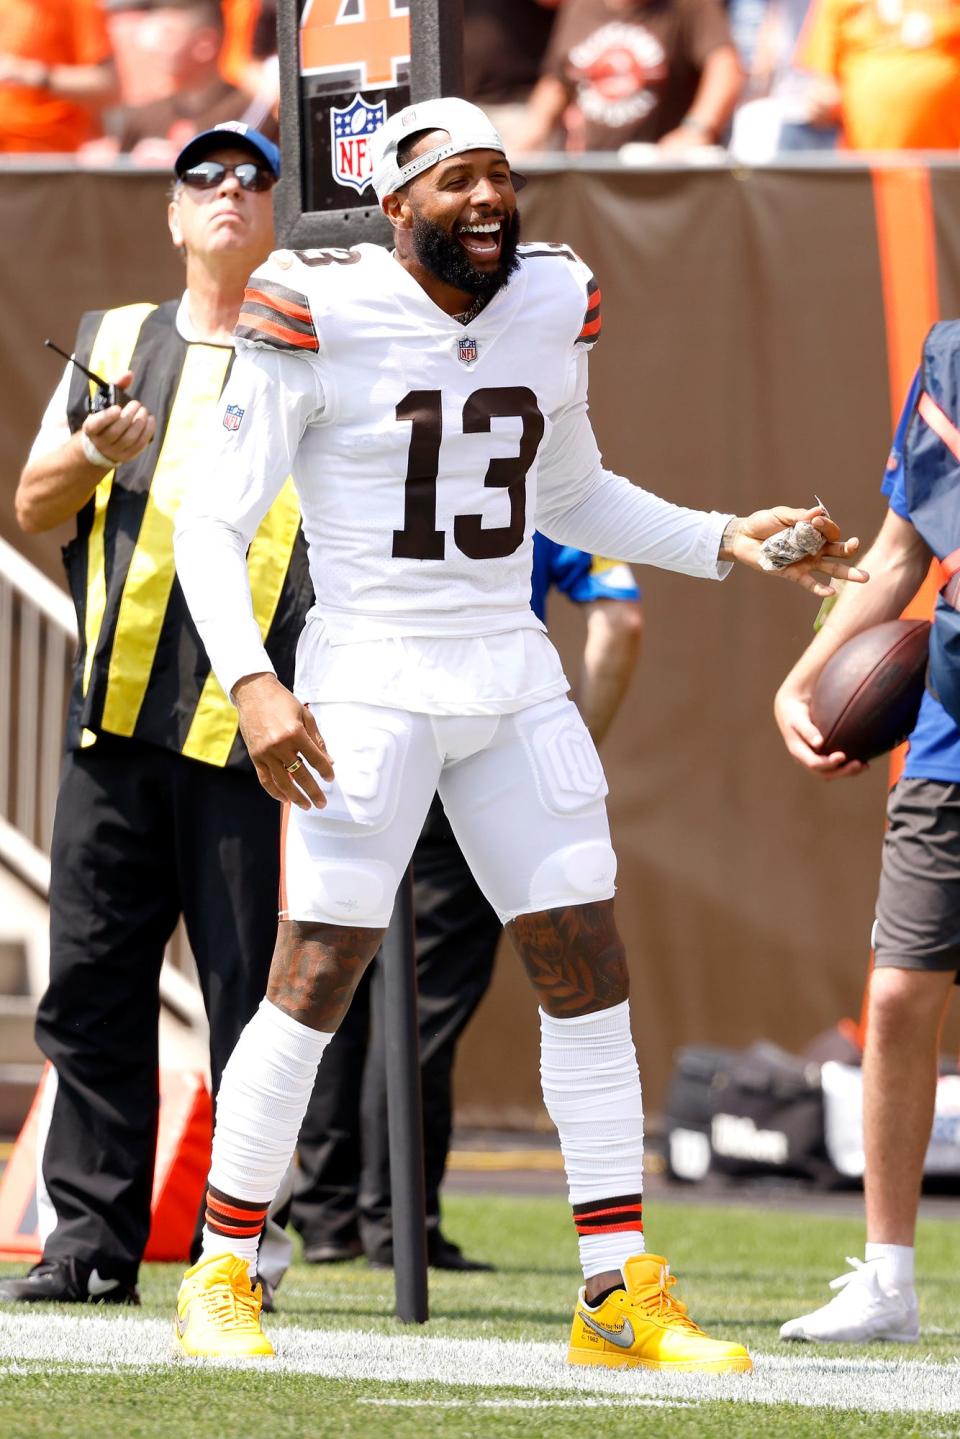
[209,174]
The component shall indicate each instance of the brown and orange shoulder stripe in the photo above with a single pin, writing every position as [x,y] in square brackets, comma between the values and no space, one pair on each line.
[275,316]
[592,320]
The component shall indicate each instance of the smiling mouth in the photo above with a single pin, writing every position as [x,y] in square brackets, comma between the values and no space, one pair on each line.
[482,240]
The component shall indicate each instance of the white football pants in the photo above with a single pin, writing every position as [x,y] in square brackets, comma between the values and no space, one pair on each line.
[524,794]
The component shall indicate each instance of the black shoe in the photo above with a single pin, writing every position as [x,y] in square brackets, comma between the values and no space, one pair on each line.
[268,1294]
[66,1281]
[444,1254]
[332,1251]
[441,1254]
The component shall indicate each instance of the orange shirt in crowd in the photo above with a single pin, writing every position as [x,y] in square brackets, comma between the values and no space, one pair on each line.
[240,21]
[897,63]
[55,32]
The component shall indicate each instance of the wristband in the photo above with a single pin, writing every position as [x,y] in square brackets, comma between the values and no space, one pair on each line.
[92,454]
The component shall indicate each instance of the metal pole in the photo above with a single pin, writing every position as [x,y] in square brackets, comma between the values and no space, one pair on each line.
[405,1110]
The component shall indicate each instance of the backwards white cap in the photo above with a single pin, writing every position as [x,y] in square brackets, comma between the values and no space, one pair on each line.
[466,124]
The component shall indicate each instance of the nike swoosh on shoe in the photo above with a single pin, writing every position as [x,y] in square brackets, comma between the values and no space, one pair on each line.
[97,1286]
[623,1338]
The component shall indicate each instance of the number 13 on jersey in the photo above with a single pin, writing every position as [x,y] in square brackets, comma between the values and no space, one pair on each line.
[420,539]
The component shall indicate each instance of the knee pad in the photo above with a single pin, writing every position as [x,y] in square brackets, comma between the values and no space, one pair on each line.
[346,892]
[578,874]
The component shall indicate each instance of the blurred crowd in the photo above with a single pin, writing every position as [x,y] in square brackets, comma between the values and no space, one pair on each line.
[98,78]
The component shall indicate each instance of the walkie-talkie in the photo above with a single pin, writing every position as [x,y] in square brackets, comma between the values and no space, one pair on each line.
[106,394]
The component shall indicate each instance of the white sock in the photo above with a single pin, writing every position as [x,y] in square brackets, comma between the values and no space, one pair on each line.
[591,1088]
[263,1097]
[894,1264]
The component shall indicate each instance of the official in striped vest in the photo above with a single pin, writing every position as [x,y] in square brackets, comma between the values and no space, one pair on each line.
[159,812]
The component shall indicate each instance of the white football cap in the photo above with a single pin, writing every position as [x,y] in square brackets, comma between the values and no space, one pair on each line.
[466,124]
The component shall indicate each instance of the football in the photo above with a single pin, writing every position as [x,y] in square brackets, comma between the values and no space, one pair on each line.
[868,693]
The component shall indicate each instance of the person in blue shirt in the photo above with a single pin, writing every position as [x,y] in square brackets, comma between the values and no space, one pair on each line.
[614,623]
[341,1187]
[916,934]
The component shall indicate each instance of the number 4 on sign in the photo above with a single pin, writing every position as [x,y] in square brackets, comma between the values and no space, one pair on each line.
[372,36]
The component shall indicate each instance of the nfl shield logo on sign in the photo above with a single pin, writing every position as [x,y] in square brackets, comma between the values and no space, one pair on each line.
[232,417]
[467,350]
[351,129]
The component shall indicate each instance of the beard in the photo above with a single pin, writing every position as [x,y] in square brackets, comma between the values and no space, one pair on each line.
[443,255]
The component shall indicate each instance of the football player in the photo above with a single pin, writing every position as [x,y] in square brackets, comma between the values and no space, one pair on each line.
[431,404]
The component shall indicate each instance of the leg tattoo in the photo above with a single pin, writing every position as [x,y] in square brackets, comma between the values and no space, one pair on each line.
[574,957]
[316,968]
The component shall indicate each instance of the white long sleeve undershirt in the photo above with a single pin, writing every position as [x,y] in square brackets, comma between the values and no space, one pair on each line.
[578,503]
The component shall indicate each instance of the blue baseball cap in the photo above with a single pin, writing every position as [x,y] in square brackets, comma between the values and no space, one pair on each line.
[229,132]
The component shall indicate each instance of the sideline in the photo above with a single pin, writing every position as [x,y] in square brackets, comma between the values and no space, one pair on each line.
[881,1386]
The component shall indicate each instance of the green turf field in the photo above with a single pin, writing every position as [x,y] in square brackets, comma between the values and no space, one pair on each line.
[490,1362]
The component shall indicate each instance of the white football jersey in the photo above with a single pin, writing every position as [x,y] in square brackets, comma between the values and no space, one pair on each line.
[423,452]
[418,483]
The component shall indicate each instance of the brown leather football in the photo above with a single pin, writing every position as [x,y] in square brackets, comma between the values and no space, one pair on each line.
[868,694]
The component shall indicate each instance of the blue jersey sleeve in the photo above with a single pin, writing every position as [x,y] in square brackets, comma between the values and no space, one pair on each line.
[934,751]
[581,576]
[893,479]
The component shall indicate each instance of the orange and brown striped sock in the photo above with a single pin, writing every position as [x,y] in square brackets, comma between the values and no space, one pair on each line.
[234,1218]
[233,1226]
[609,1216]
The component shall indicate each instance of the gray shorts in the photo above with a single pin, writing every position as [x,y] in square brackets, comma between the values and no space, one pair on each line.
[918,904]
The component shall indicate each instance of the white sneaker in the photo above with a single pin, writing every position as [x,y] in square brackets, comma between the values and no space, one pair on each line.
[861,1312]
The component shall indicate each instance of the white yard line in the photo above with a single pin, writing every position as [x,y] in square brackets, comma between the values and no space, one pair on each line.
[582,1402]
[92,1342]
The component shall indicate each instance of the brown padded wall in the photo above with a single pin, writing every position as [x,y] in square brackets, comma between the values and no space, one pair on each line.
[742,362]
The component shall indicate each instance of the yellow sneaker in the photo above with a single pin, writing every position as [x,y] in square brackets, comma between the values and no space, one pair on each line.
[218,1311]
[644,1324]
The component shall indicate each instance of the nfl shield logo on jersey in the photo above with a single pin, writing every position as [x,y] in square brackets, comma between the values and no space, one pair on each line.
[232,417]
[467,350]
[351,129]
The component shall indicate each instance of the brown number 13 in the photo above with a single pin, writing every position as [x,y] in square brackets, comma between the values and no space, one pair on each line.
[420,539]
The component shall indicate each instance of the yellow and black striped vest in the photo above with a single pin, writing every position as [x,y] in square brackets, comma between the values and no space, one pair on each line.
[141,669]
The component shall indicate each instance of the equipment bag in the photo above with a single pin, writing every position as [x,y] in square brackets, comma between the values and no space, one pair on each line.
[689,1109]
[768,1116]
[750,1113]
[843,1122]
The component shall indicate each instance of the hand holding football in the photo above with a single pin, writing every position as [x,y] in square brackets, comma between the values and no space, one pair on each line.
[868,694]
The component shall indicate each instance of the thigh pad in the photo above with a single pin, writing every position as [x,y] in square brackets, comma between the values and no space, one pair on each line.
[566,766]
[368,749]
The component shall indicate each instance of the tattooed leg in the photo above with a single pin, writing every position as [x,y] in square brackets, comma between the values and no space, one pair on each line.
[574,957]
[591,1088]
[316,969]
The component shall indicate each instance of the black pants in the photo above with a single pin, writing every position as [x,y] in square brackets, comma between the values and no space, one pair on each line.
[342,1188]
[141,836]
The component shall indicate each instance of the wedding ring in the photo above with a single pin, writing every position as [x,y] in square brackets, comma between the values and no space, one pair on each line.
[292,768]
